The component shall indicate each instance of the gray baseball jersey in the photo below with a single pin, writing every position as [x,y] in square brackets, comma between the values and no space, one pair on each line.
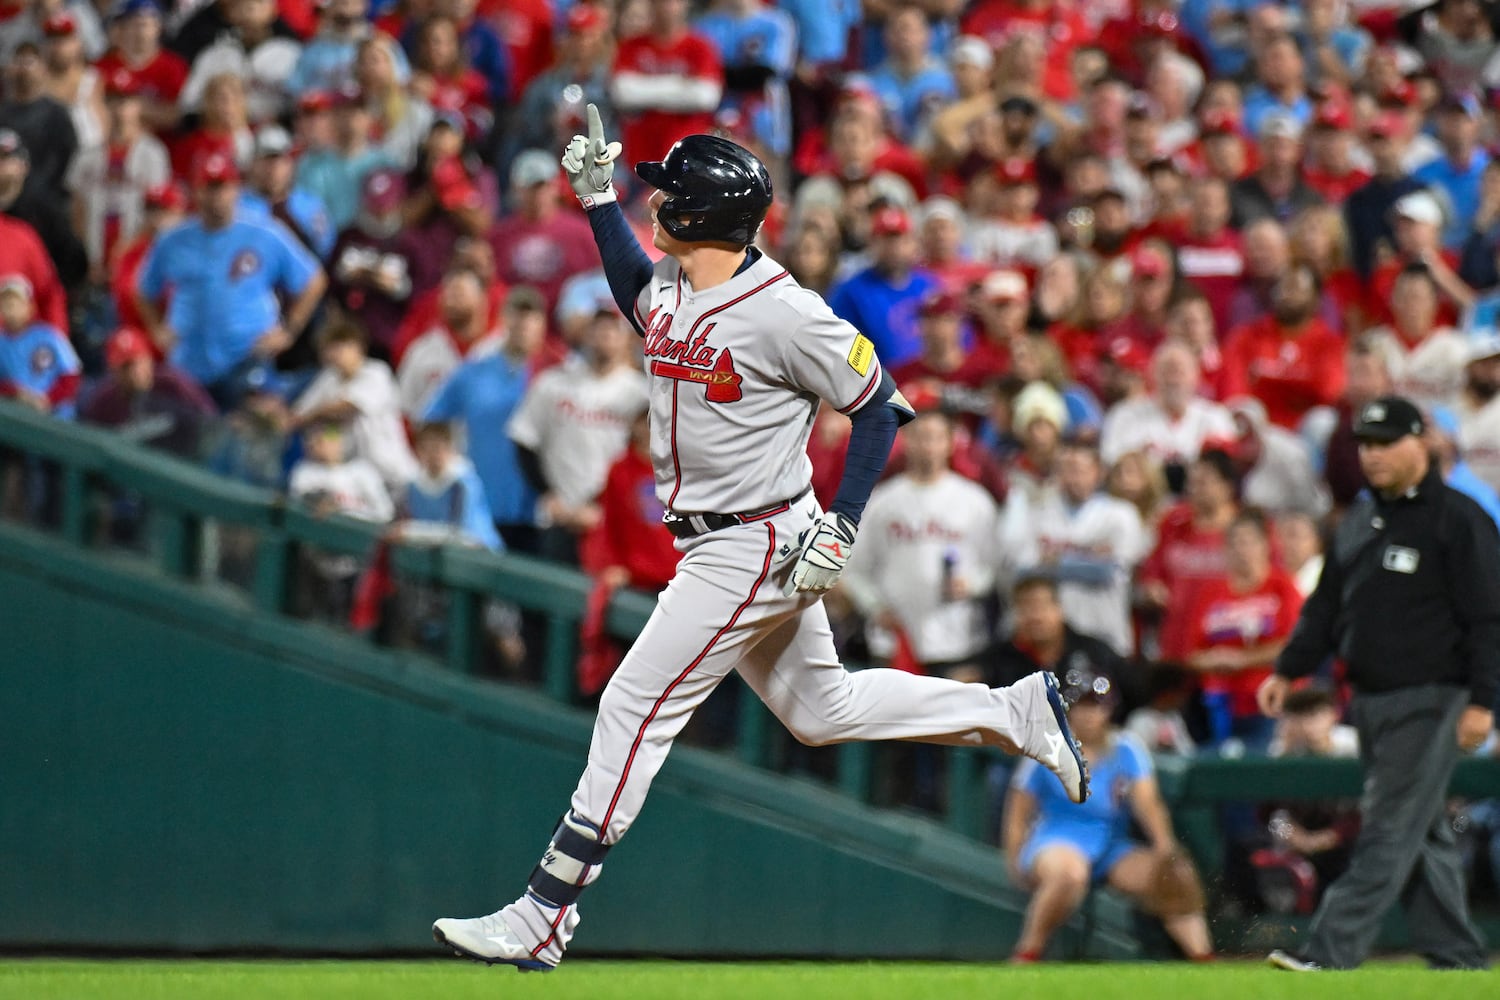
[736,375]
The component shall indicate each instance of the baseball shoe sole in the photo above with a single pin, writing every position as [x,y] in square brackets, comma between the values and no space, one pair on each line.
[1052,743]
[486,939]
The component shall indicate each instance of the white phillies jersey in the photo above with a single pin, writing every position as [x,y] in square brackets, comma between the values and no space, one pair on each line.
[911,534]
[1047,533]
[736,375]
[378,434]
[1479,440]
[1025,244]
[428,362]
[1142,425]
[578,423]
[1430,372]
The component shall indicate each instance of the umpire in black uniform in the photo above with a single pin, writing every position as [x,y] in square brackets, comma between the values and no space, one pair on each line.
[1409,599]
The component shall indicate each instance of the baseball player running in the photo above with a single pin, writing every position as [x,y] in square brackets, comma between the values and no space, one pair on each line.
[739,356]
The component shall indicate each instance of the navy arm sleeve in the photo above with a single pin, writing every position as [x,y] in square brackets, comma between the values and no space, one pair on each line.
[875,426]
[626,265]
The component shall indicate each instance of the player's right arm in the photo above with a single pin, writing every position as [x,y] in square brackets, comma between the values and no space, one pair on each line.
[589,162]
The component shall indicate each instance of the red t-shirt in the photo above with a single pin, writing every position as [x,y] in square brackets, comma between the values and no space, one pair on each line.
[161,77]
[1186,559]
[1226,618]
[648,134]
[631,533]
[1335,187]
[525,26]
[1215,264]
[22,252]
[197,146]
[544,254]
[1383,284]
[1291,375]
[1063,30]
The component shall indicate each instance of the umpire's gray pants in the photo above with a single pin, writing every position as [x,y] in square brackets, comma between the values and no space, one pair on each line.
[1405,851]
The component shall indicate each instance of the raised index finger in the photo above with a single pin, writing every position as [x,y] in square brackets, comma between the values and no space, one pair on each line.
[596,127]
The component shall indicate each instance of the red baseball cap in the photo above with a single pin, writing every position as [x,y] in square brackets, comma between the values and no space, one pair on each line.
[1016,170]
[1217,122]
[1388,124]
[452,186]
[1127,353]
[585,17]
[942,303]
[890,221]
[125,345]
[1149,262]
[923,397]
[216,168]
[1334,115]
[60,25]
[314,101]
[384,190]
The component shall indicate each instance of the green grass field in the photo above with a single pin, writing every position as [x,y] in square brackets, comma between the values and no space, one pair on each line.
[663,980]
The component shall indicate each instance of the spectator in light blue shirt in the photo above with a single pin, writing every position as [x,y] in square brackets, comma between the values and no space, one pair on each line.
[337,174]
[823,28]
[1218,26]
[1281,85]
[1326,33]
[445,498]
[327,60]
[1442,440]
[758,46]
[1456,174]
[271,192]
[225,270]
[912,83]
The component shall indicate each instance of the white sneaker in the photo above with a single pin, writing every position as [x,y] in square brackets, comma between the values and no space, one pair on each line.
[487,939]
[1288,962]
[1050,741]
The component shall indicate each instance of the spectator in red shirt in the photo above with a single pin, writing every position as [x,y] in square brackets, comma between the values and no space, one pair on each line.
[443,77]
[1061,25]
[1210,254]
[940,238]
[46,215]
[1418,222]
[1083,335]
[1189,553]
[942,365]
[1190,322]
[541,243]
[1225,151]
[1330,168]
[136,33]
[163,207]
[667,83]
[1288,360]
[1239,626]
[1151,284]
[634,547]
[223,129]
[1318,239]
[1001,304]
[852,175]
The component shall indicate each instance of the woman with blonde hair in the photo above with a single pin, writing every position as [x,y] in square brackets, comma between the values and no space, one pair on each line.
[1139,480]
[399,120]
[1318,238]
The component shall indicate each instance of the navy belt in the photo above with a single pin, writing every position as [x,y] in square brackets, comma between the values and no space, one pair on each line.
[692,525]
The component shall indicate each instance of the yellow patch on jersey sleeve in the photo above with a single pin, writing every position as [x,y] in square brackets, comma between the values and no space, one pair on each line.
[861,354]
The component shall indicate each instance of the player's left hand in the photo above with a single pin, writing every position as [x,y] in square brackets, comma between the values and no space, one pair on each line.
[825,550]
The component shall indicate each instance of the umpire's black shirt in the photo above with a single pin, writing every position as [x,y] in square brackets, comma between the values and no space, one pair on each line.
[1410,594]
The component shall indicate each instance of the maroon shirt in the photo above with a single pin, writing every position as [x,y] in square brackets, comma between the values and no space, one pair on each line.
[544,254]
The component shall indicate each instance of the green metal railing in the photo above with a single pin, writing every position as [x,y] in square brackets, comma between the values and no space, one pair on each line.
[189,507]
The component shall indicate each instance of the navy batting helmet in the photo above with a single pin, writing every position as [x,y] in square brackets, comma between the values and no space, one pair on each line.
[717,191]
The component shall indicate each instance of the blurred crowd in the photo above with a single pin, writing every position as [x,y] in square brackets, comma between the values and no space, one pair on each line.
[1135,262]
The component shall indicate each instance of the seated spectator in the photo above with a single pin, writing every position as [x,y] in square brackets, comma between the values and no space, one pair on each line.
[1332,169]
[42,211]
[1367,211]
[911,81]
[945,138]
[634,548]
[399,119]
[927,561]
[1011,233]
[882,300]
[337,174]
[135,34]
[1189,554]
[250,442]
[1238,627]
[271,189]
[999,304]
[1288,360]
[1275,469]
[1479,410]
[1159,724]
[1281,85]
[859,166]
[257,46]
[1477,260]
[1087,332]
[443,499]
[1299,544]
[1042,638]
[1190,322]
[1171,423]
[109,181]
[223,128]
[1058,851]
[1151,283]
[486,51]
[1086,539]
[327,60]
[1418,230]
[484,393]
[224,272]
[150,404]
[1209,254]
[573,422]
[370,269]
[1425,360]
[942,365]
[1140,481]
[37,364]
[41,125]
[1275,189]
[666,83]
[354,389]
[462,330]
[1309,841]
[1038,418]
[1267,257]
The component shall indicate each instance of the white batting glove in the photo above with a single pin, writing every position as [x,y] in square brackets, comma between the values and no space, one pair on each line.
[825,550]
[589,162]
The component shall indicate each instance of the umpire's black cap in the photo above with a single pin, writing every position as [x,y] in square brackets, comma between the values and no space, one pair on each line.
[1387,419]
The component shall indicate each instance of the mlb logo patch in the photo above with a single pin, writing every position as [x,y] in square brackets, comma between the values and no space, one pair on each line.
[1399,559]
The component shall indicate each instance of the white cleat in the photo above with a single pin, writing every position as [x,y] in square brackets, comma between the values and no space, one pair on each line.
[489,940]
[1050,742]
[1287,962]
